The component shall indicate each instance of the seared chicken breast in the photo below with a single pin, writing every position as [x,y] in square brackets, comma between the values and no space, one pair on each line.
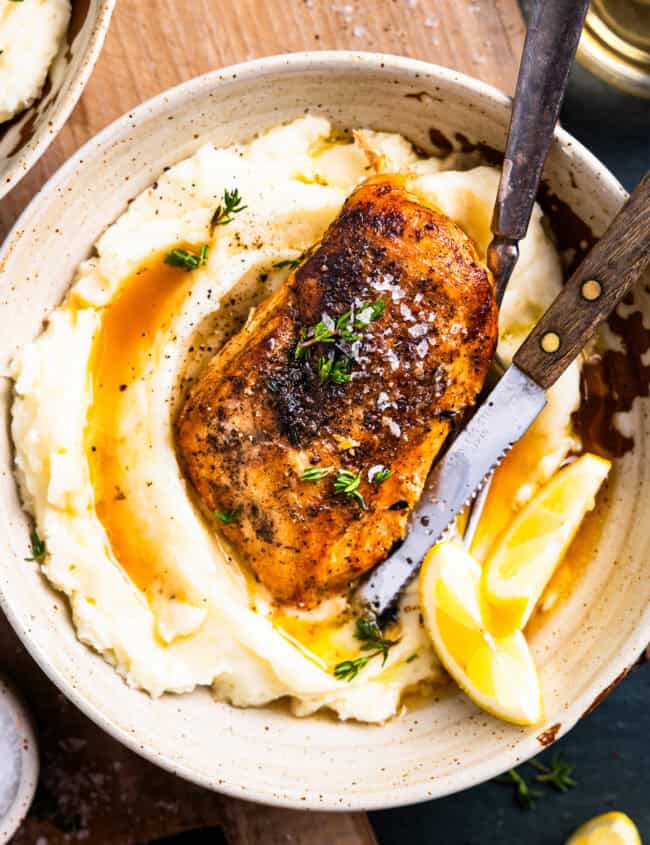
[311,433]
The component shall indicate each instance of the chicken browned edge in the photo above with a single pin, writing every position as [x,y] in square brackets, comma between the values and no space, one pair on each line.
[258,416]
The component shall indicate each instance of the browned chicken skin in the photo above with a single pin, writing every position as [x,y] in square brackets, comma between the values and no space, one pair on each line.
[258,417]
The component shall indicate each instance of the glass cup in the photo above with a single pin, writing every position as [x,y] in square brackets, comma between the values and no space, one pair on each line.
[615,44]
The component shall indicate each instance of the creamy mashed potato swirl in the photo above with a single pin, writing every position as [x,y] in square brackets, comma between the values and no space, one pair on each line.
[31,33]
[200,619]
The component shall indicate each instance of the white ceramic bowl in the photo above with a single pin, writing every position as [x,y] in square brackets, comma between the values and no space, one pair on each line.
[24,139]
[266,754]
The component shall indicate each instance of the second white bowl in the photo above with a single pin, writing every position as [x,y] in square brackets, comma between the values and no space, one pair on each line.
[24,139]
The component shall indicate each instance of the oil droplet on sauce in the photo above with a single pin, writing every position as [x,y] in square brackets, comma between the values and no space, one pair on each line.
[143,306]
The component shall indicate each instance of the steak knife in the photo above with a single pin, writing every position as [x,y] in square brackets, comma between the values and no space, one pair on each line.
[593,291]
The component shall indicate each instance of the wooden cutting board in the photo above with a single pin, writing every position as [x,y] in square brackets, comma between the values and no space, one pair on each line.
[91,788]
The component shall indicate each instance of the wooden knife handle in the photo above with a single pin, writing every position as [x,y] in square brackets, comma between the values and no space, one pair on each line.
[591,294]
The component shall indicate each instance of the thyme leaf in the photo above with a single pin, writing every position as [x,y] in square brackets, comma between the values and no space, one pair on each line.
[524,795]
[228,515]
[226,210]
[334,369]
[315,473]
[378,474]
[347,670]
[187,260]
[347,484]
[291,263]
[322,332]
[39,549]
[368,313]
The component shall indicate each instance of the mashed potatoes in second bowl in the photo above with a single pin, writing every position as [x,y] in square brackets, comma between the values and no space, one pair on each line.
[31,33]
[151,584]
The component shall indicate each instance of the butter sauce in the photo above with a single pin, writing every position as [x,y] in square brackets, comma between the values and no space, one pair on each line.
[144,306]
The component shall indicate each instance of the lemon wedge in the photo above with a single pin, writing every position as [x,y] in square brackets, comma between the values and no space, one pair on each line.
[608,829]
[497,673]
[524,559]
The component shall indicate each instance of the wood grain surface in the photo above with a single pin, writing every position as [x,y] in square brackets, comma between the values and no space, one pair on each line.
[91,788]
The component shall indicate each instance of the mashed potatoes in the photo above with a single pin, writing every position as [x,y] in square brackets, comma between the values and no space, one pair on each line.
[31,33]
[150,584]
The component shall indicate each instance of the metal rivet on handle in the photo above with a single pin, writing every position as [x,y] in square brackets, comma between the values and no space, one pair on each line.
[550,342]
[591,290]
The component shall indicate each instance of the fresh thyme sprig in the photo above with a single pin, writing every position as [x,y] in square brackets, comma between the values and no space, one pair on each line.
[226,210]
[524,795]
[345,327]
[558,775]
[228,515]
[371,639]
[378,474]
[39,549]
[315,473]
[347,484]
[187,260]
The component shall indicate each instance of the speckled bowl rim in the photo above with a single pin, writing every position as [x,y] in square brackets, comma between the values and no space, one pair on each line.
[58,115]
[606,678]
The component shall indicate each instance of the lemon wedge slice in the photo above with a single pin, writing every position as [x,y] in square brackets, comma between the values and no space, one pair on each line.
[497,673]
[523,561]
[608,829]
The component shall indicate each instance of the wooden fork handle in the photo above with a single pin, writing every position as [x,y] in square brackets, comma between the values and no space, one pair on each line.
[591,294]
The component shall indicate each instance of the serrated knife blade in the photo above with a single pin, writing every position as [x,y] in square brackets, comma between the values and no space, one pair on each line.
[502,419]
